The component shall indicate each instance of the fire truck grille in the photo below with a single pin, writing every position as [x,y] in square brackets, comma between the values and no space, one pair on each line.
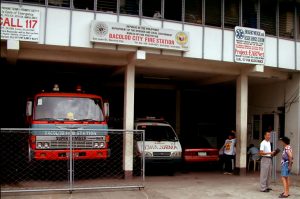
[161,154]
[75,144]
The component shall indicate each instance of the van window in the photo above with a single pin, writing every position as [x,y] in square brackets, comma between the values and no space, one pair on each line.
[158,133]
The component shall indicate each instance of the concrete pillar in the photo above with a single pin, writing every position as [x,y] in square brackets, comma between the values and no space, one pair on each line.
[292,118]
[241,122]
[178,111]
[129,116]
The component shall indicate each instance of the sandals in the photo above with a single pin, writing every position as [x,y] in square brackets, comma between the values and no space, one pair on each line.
[283,196]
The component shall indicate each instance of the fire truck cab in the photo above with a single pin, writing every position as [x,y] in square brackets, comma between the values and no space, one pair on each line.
[62,122]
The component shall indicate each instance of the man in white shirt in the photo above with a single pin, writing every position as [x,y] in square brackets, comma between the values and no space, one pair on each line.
[266,163]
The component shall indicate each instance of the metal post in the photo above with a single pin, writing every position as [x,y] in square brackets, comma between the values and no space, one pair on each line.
[274,142]
[295,34]
[71,164]
[241,13]
[277,33]
[222,26]
[258,14]
[143,156]
[203,27]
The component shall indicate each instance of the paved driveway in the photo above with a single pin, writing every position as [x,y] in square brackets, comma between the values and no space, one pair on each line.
[191,185]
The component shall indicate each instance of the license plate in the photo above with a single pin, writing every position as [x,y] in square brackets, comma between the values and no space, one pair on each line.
[202,154]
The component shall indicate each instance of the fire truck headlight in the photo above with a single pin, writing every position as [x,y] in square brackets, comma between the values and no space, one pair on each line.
[46,145]
[102,145]
[39,145]
[96,144]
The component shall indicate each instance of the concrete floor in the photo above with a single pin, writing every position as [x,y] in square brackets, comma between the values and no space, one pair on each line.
[190,185]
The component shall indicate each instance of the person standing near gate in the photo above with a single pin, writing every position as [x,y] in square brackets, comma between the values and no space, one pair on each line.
[229,152]
[266,163]
[286,166]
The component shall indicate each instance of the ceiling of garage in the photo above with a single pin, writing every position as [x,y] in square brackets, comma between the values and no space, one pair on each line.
[156,68]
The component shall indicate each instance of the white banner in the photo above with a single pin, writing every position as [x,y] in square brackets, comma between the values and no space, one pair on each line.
[249,45]
[20,24]
[124,34]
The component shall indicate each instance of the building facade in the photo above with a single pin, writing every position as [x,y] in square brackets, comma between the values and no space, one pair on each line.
[191,42]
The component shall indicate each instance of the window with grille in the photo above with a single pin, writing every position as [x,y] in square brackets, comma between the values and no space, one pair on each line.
[109,6]
[250,13]
[268,16]
[173,10]
[231,13]
[130,7]
[83,4]
[213,12]
[152,8]
[59,3]
[286,18]
[13,0]
[35,1]
[193,11]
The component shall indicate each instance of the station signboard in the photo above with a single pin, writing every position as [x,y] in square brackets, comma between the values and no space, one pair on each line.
[135,35]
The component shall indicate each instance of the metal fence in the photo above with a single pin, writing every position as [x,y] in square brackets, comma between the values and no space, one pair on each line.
[68,160]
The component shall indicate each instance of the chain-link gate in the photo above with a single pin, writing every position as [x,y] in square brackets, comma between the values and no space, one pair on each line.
[58,160]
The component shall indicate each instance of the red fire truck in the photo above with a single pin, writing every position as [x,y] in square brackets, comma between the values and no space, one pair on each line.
[61,122]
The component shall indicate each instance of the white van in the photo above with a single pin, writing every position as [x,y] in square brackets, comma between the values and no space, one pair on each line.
[162,146]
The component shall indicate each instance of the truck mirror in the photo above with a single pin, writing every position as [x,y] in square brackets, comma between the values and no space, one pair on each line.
[29,108]
[106,109]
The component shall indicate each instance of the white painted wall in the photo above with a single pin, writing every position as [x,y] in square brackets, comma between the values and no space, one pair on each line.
[286,54]
[298,56]
[265,98]
[212,43]
[80,29]
[292,119]
[58,27]
[271,51]
[228,44]
[195,35]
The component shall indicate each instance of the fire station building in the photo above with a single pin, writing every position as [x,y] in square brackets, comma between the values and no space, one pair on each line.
[202,64]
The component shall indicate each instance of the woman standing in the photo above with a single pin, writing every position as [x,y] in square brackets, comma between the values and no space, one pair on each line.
[286,166]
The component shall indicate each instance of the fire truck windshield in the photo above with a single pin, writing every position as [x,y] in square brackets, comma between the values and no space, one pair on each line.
[68,108]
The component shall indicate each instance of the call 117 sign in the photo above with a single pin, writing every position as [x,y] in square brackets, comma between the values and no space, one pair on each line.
[20,24]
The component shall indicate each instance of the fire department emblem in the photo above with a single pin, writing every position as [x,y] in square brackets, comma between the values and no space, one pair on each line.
[239,33]
[100,29]
[181,38]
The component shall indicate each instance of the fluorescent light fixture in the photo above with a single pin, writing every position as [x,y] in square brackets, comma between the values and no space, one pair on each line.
[13,44]
[141,54]
[258,68]
[156,77]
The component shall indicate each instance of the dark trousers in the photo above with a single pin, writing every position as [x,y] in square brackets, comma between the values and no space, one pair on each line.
[228,163]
